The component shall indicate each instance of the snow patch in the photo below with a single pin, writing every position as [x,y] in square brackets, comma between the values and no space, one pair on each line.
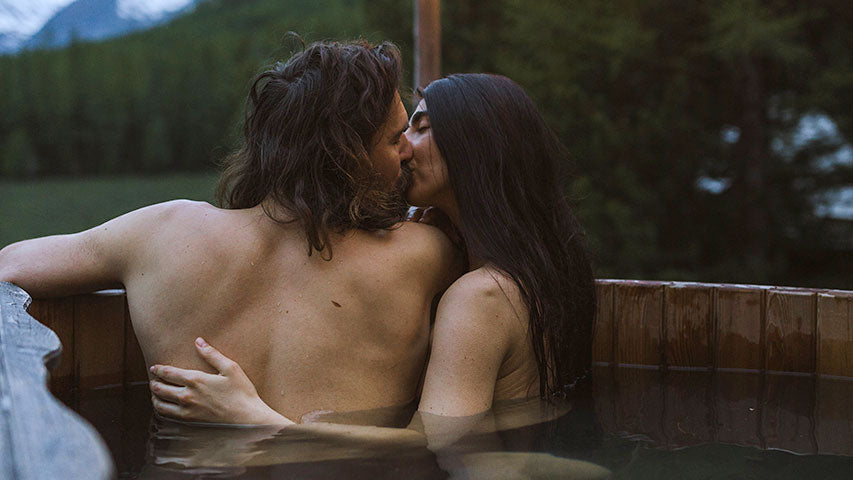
[21,19]
[148,9]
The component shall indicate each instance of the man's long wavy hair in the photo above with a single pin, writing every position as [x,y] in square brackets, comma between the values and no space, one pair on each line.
[502,162]
[310,124]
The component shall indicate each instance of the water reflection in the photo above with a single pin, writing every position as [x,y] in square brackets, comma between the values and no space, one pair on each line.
[632,424]
[431,447]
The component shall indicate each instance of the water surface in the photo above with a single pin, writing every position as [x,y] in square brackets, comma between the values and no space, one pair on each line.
[633,423]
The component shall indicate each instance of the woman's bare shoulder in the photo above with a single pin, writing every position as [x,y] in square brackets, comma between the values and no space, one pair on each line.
[489,285]
[486,296]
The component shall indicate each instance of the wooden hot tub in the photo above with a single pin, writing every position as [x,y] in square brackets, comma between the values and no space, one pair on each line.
[662,325]
[649,337]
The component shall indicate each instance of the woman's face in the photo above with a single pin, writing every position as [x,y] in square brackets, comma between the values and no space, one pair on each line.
[430,184]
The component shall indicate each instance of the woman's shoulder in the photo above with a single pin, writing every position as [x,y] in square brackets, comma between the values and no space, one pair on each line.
[489,294]
[487,283]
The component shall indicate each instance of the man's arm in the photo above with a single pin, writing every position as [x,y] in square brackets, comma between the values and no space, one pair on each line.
[91,260]
[58,265]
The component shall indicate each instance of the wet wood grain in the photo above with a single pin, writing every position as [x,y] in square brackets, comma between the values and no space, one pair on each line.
[688,326]
[738,327]
[99,339]
[638,309]
[835,334]
[58,315]
[135,369]
[789,331]
[602,341]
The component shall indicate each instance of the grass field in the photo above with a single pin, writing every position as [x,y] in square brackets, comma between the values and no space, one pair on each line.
[46,207]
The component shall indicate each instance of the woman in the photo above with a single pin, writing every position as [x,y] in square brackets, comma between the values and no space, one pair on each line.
[520,321]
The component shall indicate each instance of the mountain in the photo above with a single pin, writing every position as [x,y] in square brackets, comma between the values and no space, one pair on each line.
[19,20]
[53,23]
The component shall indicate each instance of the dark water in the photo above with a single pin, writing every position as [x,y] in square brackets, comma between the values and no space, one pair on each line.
[634,423]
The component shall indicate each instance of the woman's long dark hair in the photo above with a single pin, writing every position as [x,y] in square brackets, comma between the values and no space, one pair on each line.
[503,160]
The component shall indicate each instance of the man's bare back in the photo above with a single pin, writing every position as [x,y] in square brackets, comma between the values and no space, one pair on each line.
[346,334]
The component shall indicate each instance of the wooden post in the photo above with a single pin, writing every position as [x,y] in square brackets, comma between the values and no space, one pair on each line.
[427,30]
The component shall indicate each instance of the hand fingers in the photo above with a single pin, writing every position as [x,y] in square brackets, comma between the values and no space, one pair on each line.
[169,393]
[214,357]
[169,409]
[175,375]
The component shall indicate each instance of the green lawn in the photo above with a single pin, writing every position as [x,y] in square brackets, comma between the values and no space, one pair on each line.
[46,207]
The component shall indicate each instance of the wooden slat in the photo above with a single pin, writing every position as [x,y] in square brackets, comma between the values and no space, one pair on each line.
[58,315]
[688,326]
[835,334]
[99,339]
[602,342]
[739,323]
[637,323]
[134,362]
[789,331]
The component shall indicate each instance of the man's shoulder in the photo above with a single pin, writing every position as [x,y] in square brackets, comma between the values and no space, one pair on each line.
[408,239]
[427,246]
[179,208]
[413,251]
[412,231]
[156,225]
[178,214]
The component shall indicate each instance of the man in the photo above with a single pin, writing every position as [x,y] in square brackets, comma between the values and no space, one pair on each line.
[301,280]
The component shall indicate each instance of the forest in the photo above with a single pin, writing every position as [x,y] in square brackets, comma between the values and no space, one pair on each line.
[707,137]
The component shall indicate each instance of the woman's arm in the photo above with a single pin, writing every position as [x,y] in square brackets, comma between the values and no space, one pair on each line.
[471,338]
